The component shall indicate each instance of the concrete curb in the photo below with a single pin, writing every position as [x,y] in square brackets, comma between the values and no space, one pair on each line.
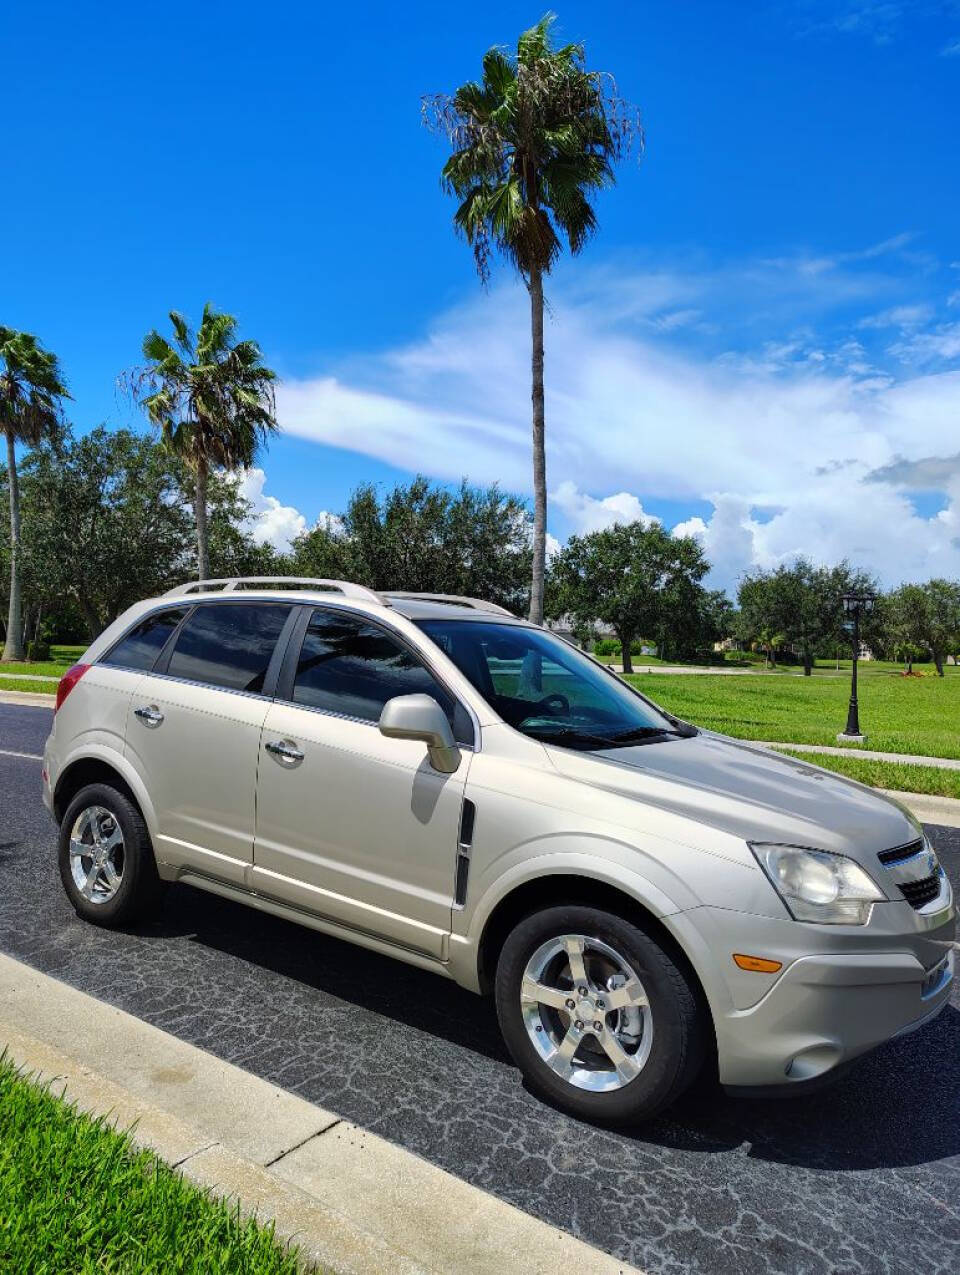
[929,809]
[37,699]
[865,754]
[353,1202]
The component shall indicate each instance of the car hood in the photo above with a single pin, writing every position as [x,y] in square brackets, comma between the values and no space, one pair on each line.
[747,791]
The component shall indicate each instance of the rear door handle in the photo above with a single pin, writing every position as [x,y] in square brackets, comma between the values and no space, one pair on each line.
[149,716]
[284,749]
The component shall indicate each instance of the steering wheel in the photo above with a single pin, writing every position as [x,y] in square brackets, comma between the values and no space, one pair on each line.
[555,704]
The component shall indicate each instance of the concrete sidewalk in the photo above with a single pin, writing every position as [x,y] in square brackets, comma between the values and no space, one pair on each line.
[352,1201]
[866,754]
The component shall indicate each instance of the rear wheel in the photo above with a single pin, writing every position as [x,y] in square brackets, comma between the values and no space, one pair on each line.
[106,858]
[599,1017]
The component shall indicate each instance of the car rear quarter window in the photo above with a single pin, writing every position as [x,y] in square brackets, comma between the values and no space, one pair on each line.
[228,645]
[140,647]
[353,667]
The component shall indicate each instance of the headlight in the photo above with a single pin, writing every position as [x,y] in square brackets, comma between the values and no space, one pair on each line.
[819,886]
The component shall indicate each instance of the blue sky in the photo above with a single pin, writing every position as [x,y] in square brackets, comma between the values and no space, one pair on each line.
[762,344]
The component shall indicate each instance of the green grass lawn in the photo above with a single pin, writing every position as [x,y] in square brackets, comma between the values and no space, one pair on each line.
[29,688]
[76,1196]
[917,715]
[61,657]
[888,774]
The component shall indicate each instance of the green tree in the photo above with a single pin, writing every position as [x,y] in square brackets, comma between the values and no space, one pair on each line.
[106,523]
[926,617]
[423,537]
[532,141]
[31,393]
[801,605]
[212,398]
[638,580]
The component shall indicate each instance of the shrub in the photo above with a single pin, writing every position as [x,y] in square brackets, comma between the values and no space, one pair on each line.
[37,650]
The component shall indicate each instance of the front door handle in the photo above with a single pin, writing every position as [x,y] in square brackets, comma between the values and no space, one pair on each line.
[284,750]
[150,716]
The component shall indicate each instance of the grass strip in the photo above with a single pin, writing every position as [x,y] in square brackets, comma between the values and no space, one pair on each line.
[77,1196]
[900,776]
[899,714]
[29,688]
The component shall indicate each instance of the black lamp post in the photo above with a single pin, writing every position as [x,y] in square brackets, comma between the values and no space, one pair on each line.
[855,605]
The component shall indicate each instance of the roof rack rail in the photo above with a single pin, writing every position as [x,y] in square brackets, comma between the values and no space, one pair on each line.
[452,599]
[236,584]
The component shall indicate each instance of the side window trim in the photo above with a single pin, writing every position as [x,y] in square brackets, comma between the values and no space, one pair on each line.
[280,653]
[164,653]
[160,664]
[161,667]
[291,660]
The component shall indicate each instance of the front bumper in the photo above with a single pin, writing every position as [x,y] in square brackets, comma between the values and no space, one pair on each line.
[827,1010]
[842,990]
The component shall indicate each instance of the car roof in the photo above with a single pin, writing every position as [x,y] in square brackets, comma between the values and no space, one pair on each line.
[410,608]
[419,609]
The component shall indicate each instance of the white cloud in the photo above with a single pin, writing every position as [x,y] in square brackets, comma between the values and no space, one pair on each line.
[951,50]
[270,522]
[586,513]
[764,413]
[939,344]
[898,316]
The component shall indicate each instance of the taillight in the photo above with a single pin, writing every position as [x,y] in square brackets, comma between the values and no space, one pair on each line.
[68,682]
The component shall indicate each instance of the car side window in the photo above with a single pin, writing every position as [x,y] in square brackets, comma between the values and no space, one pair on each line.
[350,666]
[140,648]
[228,644]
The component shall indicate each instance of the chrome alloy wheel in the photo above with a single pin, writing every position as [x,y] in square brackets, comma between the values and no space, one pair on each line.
[96,854]
[586,1013]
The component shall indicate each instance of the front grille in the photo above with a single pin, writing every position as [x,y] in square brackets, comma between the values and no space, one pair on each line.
[920,893]
[900,853]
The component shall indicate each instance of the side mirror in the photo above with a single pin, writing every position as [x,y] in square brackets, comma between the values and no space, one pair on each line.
[421,717]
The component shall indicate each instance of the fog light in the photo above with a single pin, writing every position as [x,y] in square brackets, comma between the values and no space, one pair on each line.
[757,964]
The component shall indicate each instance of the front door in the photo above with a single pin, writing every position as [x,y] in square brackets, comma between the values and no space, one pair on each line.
[193,734]
[351,825]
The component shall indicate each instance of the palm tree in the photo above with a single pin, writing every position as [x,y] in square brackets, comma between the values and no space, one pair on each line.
[530,142]
[31,388]
[212,398]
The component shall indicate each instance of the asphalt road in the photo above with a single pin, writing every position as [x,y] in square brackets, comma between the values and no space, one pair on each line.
[864,1177]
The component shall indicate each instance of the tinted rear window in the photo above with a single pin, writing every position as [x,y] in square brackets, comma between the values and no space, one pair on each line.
[228,645]
[141,646]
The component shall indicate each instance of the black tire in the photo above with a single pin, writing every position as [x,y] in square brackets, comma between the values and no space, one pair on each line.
[140,889]
[680,1034]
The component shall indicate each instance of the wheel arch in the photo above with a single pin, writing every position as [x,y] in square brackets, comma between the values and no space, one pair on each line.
[94,768]
[559,888]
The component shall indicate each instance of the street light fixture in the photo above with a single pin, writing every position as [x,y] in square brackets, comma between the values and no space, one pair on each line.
[855,605]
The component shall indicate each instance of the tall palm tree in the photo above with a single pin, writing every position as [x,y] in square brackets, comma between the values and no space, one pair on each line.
[31,390]
[530,142]
[212,398]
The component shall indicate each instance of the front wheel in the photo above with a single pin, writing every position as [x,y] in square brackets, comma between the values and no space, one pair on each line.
[598,1016]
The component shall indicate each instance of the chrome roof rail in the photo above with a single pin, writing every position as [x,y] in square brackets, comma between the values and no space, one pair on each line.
[453,599]
[308,584]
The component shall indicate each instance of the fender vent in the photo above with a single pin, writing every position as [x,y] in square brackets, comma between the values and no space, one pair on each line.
[467,818]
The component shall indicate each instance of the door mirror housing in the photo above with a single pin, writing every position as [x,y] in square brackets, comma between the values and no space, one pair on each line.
[421,717]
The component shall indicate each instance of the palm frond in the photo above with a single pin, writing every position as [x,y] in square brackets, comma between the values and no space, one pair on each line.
[529,142]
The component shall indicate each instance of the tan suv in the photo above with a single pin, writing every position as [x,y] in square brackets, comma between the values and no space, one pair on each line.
[435,779]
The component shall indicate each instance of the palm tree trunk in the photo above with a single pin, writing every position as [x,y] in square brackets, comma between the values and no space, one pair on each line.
[200,512]
[539,452]
[13,647]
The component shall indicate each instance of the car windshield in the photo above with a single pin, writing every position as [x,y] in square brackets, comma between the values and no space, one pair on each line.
[547,689]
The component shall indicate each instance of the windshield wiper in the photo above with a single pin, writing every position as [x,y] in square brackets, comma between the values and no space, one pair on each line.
[642,732]
[567,735]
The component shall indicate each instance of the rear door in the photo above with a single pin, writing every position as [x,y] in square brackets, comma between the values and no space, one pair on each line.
[351,825]
[194,733]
